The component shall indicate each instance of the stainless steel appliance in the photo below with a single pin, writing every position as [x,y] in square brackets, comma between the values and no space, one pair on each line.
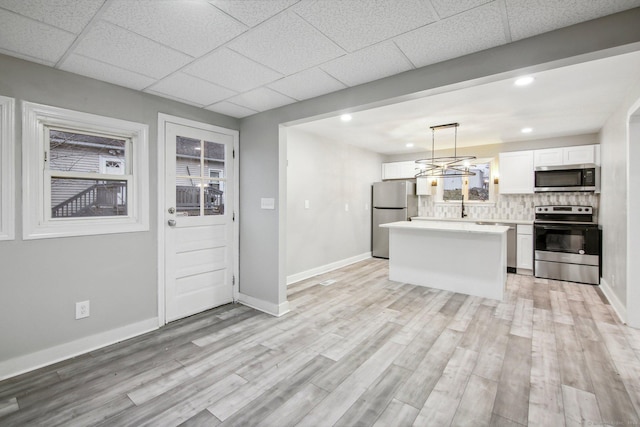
[567,178]
[567,244]
[392,201]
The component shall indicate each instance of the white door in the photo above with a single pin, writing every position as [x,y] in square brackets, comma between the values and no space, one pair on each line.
[198,220]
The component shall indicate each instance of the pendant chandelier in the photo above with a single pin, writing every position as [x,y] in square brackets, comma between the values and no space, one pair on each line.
[445,167]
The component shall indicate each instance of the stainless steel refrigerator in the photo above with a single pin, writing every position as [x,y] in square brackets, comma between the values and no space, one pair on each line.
[392,201]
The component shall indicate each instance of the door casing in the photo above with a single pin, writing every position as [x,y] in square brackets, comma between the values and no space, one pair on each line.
[162,120]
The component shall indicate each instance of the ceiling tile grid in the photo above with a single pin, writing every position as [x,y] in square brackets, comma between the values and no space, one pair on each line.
[355,24]
[191,89]
[287,44]
[79,64]
[472,31]
[111,44]
[371,63]
[67,15]
[261,99]
[252,12]
[232,70]
[231,109]
[307,84]
[531,17]
[194,30]
[263,54]
[32,39]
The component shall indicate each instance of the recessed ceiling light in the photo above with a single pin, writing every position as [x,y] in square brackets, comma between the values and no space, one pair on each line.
[526,130]
[409,144]
[345,117]
[524,81]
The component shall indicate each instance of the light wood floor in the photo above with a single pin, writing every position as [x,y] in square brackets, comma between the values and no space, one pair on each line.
[362,351]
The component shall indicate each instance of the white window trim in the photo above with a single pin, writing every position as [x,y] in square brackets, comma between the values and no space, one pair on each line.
[492,191]
[36,224]
[7,180]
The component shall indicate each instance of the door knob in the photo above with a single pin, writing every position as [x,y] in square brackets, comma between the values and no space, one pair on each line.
[172,222]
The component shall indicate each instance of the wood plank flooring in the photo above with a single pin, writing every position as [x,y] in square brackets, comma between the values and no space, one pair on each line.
[363,351]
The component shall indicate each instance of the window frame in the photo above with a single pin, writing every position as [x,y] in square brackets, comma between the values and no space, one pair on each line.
[38,224]
[465,188]
[7,167]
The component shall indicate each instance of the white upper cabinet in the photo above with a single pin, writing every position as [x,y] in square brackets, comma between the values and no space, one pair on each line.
[424,187]
[516,172]
[582,154]
[399,170]
[576,155]
[548,157]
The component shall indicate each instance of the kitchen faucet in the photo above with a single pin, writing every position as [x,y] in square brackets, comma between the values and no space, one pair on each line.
[462,214]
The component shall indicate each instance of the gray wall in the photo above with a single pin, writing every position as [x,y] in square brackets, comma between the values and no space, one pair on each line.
[329,174]
[619,164]
[263,171]
[40,280]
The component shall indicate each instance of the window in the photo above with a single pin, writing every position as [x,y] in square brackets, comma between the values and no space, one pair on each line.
[7,207]
[83,174]
[474,188]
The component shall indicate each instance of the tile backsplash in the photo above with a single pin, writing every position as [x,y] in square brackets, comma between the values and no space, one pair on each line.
[507,206]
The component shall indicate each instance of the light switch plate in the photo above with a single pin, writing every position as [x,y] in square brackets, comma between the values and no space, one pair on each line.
[267,203]
[306,204]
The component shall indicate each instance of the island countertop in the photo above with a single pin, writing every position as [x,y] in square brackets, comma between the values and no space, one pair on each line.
[473,220]
[453,226]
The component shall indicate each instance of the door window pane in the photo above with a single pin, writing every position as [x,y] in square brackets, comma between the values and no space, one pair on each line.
[74,197]
[188,155]
[214,199]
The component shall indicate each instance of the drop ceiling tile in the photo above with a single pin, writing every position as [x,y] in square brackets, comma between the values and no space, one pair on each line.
[287,44]
[530,17]
[30,38]
[307,84]
[124,49]
[230,109]
[252,12]
[192,89]
[70,15]
[261,99]
[355,24]
[368,64]
[106,72]
[230,69]
[446,8]
[192,27]
[468,32]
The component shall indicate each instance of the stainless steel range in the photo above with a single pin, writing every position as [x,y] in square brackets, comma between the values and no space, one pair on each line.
[567,244]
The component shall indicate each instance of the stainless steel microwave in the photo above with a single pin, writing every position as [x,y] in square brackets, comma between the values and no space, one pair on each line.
[567,178]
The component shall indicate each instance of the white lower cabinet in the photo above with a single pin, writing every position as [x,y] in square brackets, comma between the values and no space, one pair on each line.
[524,248]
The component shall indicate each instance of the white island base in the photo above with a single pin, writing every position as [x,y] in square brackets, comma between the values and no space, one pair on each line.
[458,257]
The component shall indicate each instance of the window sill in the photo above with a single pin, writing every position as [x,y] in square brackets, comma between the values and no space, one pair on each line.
[466,203]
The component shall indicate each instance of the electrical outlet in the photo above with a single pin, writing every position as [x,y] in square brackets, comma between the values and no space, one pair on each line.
[82,309]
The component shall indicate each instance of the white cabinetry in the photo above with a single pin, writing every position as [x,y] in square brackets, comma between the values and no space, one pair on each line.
[516,172]
[576,155]
[423,187]
[524,249]
[399,170]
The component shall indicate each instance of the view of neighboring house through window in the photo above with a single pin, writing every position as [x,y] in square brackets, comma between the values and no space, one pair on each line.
[83,174]
[88,174]
[474,188]
[199,177]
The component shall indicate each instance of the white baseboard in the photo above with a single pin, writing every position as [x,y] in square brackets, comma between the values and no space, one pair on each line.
[264,306]
[617,305]
[29,362]
[326,268]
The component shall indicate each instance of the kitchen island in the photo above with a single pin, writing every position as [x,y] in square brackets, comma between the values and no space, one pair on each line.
[460,257]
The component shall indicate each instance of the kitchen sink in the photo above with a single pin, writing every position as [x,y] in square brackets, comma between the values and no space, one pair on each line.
[485,223]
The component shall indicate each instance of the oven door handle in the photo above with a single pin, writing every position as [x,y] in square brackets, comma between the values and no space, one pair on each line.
[562,227]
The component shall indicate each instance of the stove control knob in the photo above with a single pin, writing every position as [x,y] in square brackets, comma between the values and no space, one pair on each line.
[579,209]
